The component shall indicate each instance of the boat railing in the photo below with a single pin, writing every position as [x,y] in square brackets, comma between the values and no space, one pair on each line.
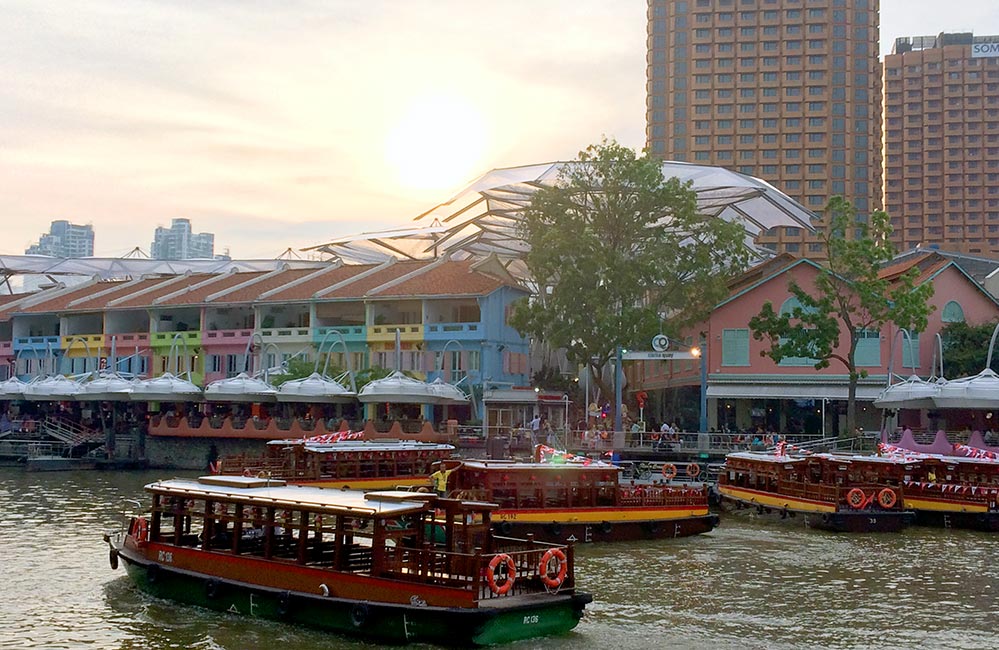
[978,494]
[642,495]
[468,571]
[831,494]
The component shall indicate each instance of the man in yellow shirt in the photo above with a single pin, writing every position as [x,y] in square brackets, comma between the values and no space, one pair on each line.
[439,480]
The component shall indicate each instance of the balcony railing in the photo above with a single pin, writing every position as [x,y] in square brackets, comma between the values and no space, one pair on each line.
[386,333]
[351,333]
[165,339]
[36,342]
[456,331]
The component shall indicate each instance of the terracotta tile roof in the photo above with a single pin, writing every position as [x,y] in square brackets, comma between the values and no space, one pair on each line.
[98,303]
[196,295]
[760,271]
[305,290]
[253,291]
[61,302]
[927,264]
[362,286]
[8,304]
[450,278]
[165,286]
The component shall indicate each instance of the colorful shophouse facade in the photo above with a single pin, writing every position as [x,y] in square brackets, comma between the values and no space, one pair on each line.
[746,389]
[448,317]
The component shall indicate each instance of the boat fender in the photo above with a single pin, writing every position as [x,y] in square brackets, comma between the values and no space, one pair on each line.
[501,559]
[505,527]
[152,573]
[783,513]
[324,590]
[556,529]
[113,558]
[652,527]
[359,614]
[212,588]
[545,569]
[284,603]
[759,510]
[606,527]
[826,518]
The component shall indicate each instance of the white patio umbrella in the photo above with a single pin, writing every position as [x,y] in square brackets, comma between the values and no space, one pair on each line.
[241,388]
[107,387]
[397,388]
[52,388]
[913,393]
[445,393]
[314,388]
[165,388]
[980,391]
[12,388]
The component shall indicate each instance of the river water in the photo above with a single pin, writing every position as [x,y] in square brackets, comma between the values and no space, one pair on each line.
[748,584]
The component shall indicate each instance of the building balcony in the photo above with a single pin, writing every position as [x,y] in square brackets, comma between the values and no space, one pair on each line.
[386,333]
[215,338]
[78,344]
[456,331]
[125,341]
[165,339]
[301,335]
[37,343]
[351,334]
[6,348]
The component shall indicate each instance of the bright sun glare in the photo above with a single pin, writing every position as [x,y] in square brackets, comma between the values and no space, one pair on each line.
[437,144]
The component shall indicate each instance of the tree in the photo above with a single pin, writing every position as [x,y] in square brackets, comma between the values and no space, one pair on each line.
[965,347]
[618,254]
[849,296]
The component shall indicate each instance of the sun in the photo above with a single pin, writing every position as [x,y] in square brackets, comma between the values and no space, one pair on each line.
[437,144]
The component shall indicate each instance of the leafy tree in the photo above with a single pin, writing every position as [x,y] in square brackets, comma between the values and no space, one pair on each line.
[965,347]
[618,254]
[849,297]
[296,368]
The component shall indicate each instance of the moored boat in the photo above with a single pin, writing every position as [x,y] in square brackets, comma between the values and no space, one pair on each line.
[831,492]
[368,564]
[579,503]
[344,463]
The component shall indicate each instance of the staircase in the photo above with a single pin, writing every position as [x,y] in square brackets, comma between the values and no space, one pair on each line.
[71,433]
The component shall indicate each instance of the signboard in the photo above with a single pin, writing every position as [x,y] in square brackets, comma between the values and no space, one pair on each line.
[984,50]
[660,343]
[657,356]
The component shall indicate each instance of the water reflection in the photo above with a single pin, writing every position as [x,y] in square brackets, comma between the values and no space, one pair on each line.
[748,584]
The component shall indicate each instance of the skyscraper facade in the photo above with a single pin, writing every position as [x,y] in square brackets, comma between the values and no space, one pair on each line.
[178,242]
[941,126]
[785,90]
[65,239]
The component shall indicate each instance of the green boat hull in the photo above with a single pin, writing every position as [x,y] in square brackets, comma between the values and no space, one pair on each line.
[393,623]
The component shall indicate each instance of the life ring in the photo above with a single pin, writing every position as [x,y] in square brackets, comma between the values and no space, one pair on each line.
[856,498]
[505,527]
[669,471]
[887,498]
[263,474]
[693,470]
[511,574]
[553,582]
[141,530]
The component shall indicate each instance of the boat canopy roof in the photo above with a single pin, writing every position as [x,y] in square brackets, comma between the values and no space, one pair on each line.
[347,446]
[760,457]
[506,465]
[271,492]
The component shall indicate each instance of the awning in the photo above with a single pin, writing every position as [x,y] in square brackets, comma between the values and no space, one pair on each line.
[791,391]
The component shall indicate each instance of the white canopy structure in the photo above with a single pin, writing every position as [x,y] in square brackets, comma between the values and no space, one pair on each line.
[241,388]
[57,388]
[13,388]
[397,388]
[108,386]
[980,391]
[482,218]
[314,388]
[913,393]
[165,388]
[445,393]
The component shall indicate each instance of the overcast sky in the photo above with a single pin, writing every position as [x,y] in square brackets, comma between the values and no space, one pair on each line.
[284,123]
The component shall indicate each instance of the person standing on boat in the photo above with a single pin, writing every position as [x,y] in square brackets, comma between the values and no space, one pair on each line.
[439,479]
[535,429]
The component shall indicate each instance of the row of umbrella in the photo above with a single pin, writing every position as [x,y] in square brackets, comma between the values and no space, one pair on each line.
[397,387]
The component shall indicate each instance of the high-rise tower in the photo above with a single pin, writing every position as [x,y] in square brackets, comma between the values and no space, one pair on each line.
[785,90]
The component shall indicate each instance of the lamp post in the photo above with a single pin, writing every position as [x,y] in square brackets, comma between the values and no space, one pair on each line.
[618,381]
[704,385]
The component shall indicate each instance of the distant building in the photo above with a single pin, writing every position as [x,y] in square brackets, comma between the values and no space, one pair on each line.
[783,90]
[941,164]
[178,242]
[65,239]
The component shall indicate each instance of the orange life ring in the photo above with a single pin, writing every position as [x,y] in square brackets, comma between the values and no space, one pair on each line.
[856,498]
[544,568]
[669,471]
[141,530]
[511,574]
[693,470]
[887,498]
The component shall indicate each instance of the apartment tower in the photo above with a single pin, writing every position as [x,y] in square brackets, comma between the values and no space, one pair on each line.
[941,126]
[178,242]
[785,90]
[65,239]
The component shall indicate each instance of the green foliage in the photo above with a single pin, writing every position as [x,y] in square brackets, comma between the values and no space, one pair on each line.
[849,297]
[616,249]
[296,368]
[965,348]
